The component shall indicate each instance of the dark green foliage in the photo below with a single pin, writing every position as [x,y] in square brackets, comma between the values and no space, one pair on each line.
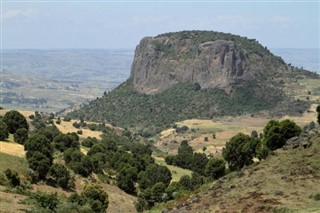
[78,162]
[141,204]
[79,132]
[20,136]
[12,177]
[96,197]
[60,175]
[50,132]
[67,119]
[276,133]
[88,142]
[157,191]
[154,173]
[126,178]
[38,143]
[318,111]
[46,201]
[181,129]
[4,134]
[185,155]
[199,162]
[14,120]
[196,180]
[182,101]
[239,151]
[65,141]
[40,164]
[215,168]
[185,182]
[254,134]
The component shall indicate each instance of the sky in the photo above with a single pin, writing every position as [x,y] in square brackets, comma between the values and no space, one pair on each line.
[42,24]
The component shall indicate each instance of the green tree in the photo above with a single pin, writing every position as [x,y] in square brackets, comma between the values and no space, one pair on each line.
[60,175]
[215,168]
[4,134]
[15,120]
[40,164]
[185,155]
[276,133]
[65,141]
[126,178]
[154,173]
[20,136]
[39,143]
[12,177]
[199,162]
[157,191]
[239,151]
[96,197]
[185,182]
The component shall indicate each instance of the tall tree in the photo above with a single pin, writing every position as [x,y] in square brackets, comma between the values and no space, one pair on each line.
[14,121]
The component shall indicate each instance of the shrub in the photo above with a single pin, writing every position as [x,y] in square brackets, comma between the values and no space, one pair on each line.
[4,134]
[276,133]
[40,164]
[66,119]
[20,136]
[185,182]
[96,197]
[79,132]
[215,168]
[15,120]
[12,177]
[47,201]
[60,175]
[89,142]
[239,151]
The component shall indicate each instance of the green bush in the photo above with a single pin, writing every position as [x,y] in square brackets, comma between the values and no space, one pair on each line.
[96,197]
[276,133]
[215,168]
[239,151]
[12,177]
[15,120]
[60,175]
[46,201]
[20,136]
[4,134]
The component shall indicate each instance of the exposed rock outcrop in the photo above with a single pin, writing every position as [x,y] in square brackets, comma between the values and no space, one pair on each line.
[212,62]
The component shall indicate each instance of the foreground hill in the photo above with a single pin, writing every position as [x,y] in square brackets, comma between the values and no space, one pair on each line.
[287,181]
[199,74]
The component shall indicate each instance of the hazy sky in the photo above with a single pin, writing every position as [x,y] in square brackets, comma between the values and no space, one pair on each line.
[112,24]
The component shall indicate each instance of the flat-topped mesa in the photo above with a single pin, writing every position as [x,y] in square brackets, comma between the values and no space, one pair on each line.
[214,60]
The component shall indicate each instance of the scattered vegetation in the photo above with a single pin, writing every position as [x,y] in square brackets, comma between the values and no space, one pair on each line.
[128,108]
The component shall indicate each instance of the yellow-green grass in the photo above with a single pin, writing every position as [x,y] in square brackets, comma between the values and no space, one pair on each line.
[176,172]
[11,148]
[18,164]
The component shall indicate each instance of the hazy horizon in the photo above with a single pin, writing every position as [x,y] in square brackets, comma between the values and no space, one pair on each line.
[121,25]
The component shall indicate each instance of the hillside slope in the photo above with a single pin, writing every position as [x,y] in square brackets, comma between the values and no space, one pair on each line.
[198,74]
[287,180]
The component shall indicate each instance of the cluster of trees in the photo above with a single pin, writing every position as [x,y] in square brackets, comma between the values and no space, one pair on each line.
[14,123]
[197,162]
[241,149]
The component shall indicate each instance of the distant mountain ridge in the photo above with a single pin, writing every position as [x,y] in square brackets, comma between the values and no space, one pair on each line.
[198,74]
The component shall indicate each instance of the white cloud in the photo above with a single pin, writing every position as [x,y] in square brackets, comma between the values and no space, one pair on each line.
[28,13]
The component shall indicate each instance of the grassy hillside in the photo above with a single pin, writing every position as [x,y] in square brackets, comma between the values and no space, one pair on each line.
[287,181]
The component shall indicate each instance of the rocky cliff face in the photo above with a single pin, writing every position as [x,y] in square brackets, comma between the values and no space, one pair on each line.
[210,60]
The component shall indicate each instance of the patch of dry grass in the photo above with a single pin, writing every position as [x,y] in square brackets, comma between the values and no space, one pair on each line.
[176,172]
[10,148]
